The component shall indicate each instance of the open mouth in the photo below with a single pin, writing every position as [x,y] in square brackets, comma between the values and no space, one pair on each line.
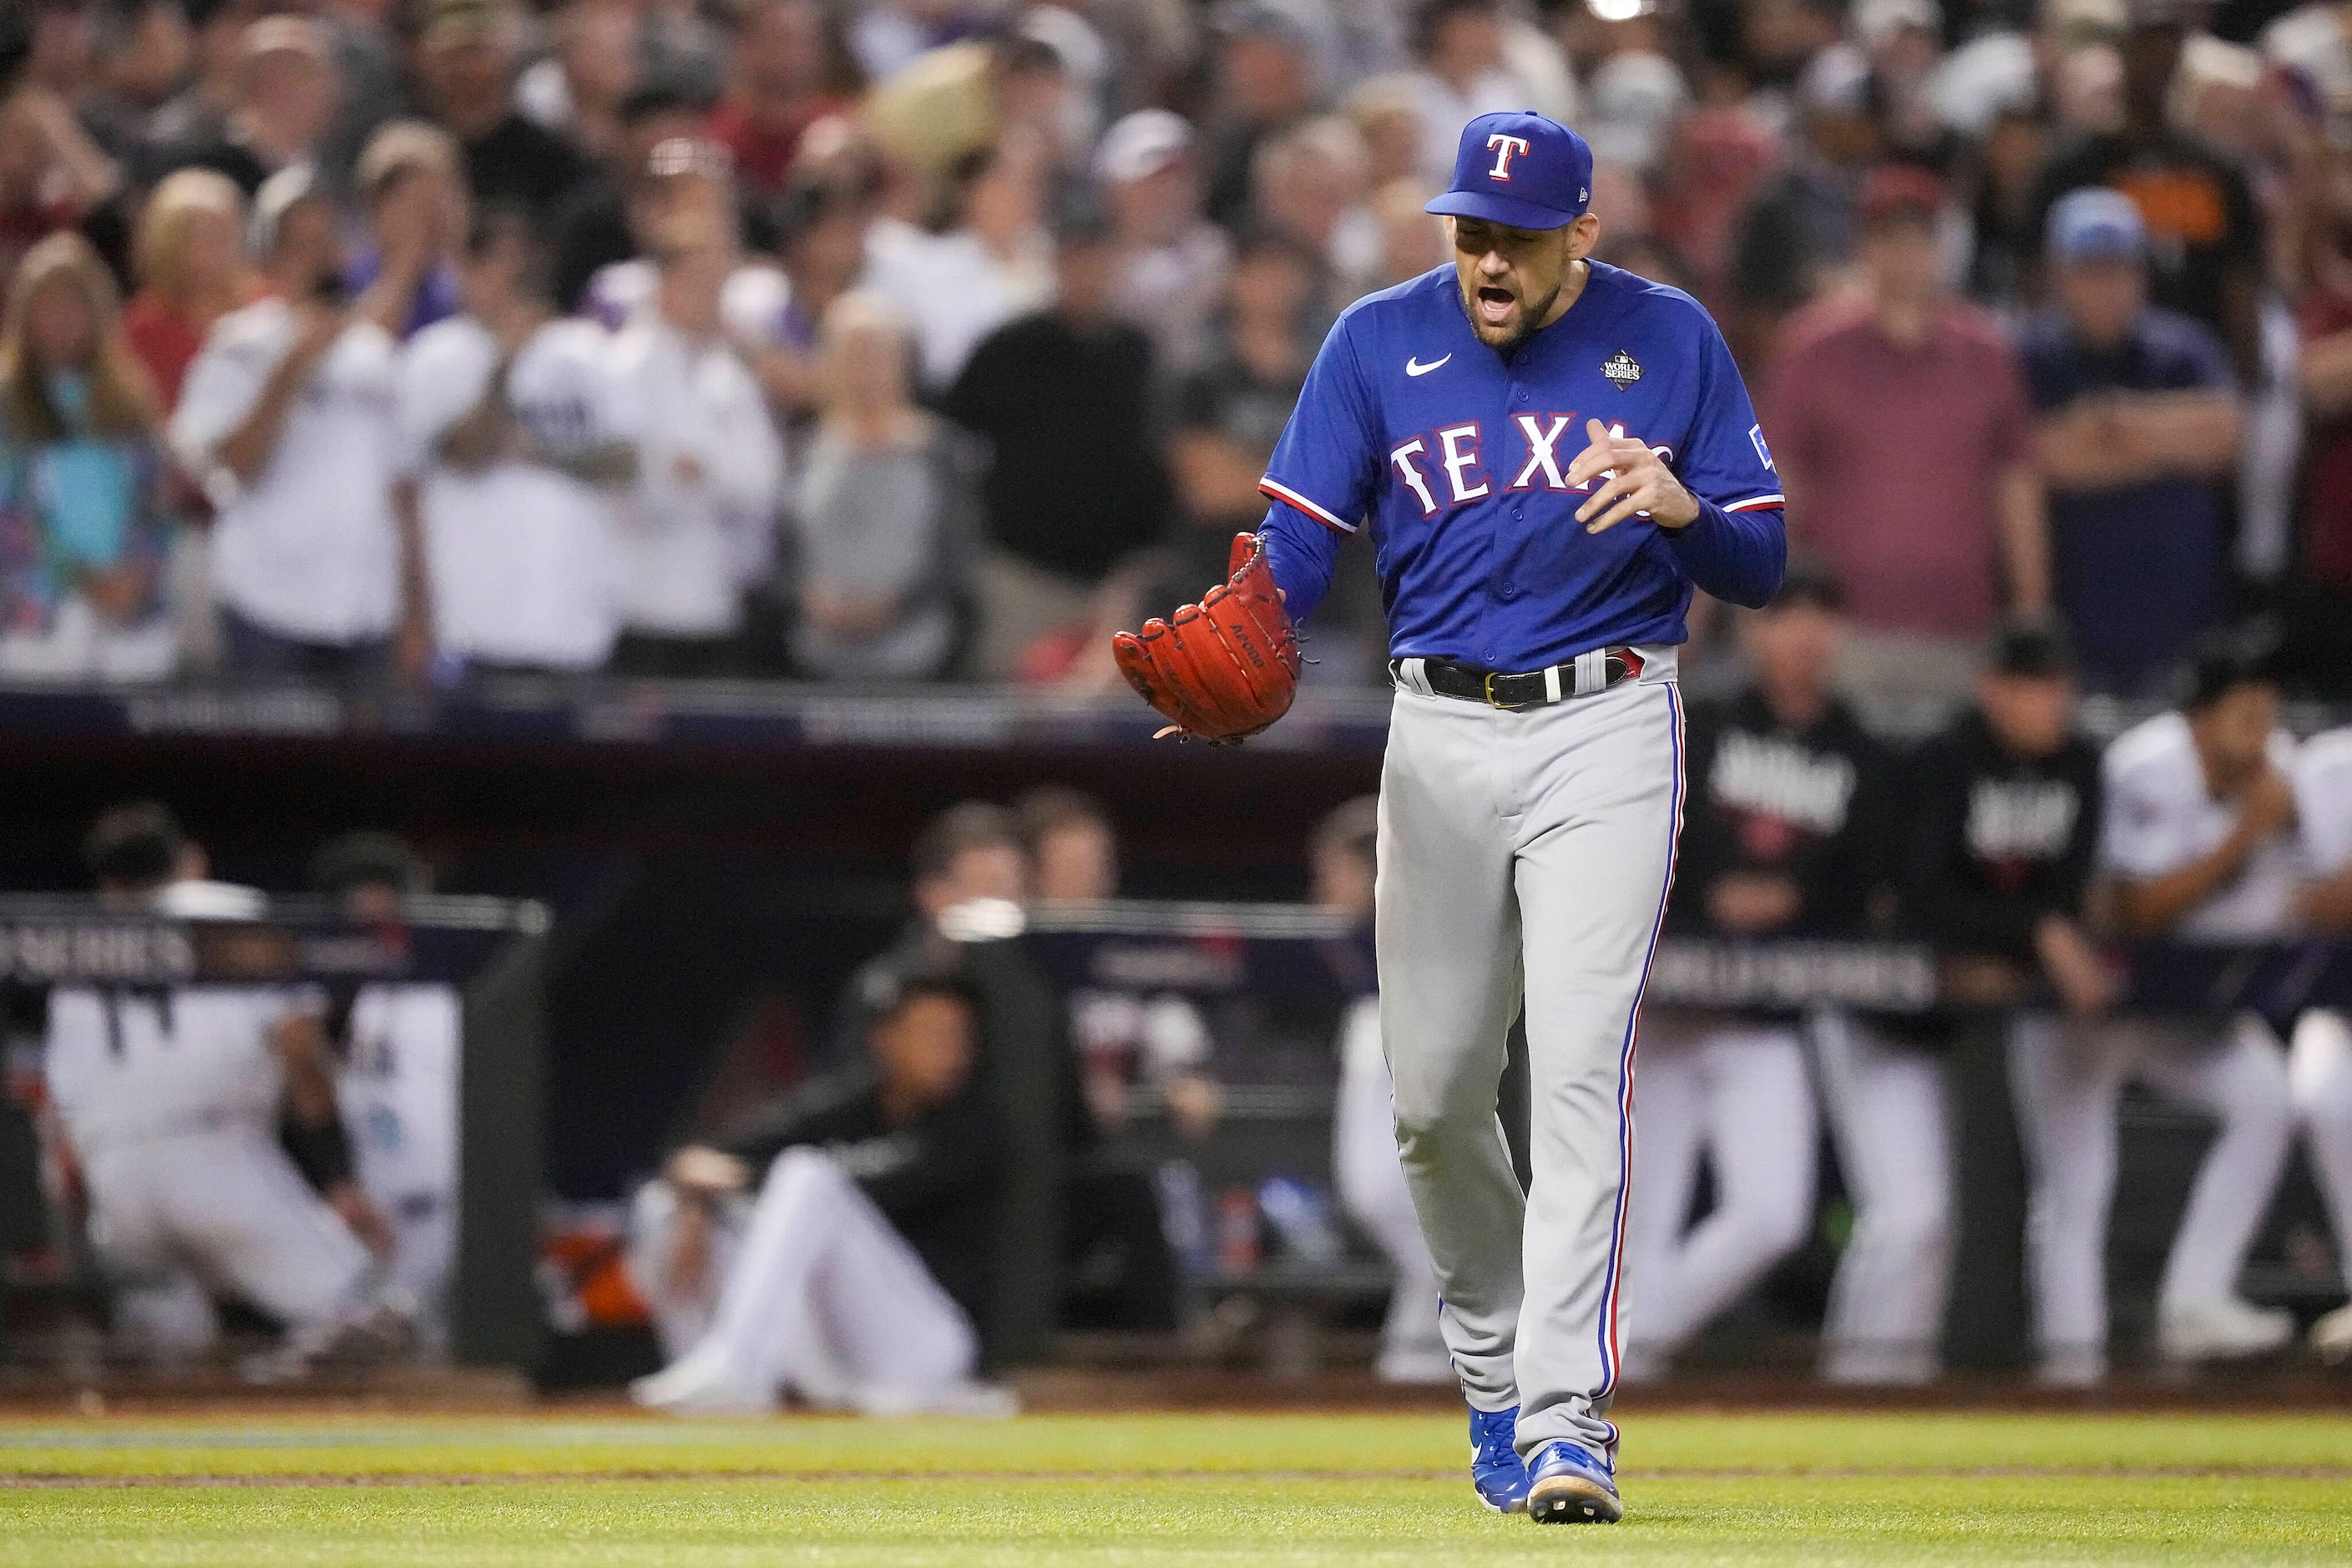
[1495,305]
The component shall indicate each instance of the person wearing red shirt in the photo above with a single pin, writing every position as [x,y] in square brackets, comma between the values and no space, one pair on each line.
[192,272]
[789,71]
[1904,438]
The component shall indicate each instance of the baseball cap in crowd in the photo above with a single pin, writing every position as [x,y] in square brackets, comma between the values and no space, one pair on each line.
[1142,144]
[1518,169]
[279,194]
[450,24]
[2036,648]
[1896,191]
[1808,580]
[2095,224]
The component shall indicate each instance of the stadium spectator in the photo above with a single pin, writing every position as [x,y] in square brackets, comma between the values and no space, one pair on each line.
[1779,838]
[83,538]
[837,1247]
[2138,432]
[53,176]
[1172,260]
[1806,226]
[286,89]
[702,527]
[170,1102]
[192,272]
[1266,82]
[1370,1178]
[1310,185]
[992,260]
[465,60]
[2195,844]
[1475,58]
[788,69]
[593,64]
[1901,425]
[2004,827]
[594,229]
[1074,483]
[524,433]
[2205,250]
[2319,1067]
[2321,595]
[286,420]
[409,175]
[881,510]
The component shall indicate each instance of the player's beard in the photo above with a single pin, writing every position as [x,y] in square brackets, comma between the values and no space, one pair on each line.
[1529,319]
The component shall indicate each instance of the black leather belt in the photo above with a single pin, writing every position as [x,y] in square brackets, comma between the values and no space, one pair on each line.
[1587,674]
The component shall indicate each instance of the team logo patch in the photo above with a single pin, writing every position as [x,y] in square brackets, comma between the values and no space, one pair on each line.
[1620,369]
[1756,434]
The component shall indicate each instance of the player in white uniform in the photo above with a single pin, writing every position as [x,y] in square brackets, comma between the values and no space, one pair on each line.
[2195,845]
[170,1099]
[2320,1065]
[397,1083]
[517,427]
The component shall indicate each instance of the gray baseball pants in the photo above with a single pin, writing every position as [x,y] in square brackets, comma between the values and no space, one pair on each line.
[1524,858]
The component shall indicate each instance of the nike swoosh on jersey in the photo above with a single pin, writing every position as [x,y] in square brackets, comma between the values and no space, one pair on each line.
[1414,367]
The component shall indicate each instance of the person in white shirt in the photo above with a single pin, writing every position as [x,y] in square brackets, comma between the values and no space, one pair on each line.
[169,1099]
[287,420]
[2319,1066]
[2195,845]
[699,526]
[523,430]
[993,264]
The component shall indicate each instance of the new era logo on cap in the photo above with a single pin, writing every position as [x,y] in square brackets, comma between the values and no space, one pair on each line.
[1519,169]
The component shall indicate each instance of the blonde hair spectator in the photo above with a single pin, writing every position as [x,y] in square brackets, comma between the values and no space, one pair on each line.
[119,404]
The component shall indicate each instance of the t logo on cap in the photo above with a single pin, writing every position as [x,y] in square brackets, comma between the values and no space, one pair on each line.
[1503,147]
[1548,167]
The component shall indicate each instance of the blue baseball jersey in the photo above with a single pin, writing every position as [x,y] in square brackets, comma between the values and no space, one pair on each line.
[1457,455]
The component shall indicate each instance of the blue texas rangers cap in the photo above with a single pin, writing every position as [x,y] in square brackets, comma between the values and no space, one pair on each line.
[1521,170]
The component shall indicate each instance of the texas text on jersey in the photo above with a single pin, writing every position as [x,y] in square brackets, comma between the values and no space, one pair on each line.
[1458,455]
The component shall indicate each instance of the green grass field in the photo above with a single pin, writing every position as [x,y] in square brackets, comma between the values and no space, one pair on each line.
[1304,1491]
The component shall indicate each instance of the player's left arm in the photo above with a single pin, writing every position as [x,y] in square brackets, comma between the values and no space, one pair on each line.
[1721,508]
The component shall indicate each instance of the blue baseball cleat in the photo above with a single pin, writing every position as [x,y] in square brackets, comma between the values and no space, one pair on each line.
[1496,1468]
[1569,1485]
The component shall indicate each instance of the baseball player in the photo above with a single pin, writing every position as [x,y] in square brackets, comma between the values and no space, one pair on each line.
[836,1246]
[2319,1066]
[1782,839]
[2005,826]
[1551,454]
[2196,843]
[170,1099]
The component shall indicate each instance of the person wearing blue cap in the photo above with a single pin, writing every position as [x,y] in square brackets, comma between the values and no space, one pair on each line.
[2139,425]
[1550,453]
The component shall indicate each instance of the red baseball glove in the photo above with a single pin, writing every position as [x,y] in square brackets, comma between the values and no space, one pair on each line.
[1224,669]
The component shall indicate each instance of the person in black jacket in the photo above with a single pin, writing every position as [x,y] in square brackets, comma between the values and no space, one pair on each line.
[853,1277]
[2004,834]
[1780,839]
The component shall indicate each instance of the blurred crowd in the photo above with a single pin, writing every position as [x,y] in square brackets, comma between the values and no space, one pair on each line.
[901,340]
